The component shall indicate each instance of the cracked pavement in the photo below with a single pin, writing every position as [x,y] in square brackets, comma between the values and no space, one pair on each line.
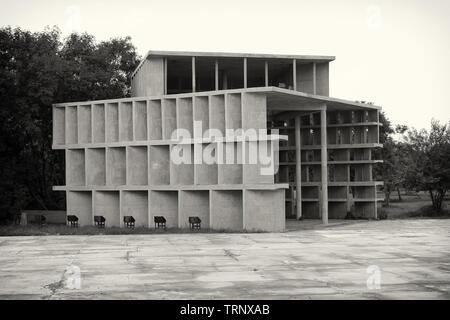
[413,257]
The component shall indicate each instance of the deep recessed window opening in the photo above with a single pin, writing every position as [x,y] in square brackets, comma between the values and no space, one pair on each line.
[281,74]
[256,74]
[205,74]
[231,73]
[179,75]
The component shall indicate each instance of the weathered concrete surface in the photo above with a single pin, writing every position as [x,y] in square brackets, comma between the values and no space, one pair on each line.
[413,257]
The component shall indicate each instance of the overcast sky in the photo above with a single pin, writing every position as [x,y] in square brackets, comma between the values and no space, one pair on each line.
[394,53]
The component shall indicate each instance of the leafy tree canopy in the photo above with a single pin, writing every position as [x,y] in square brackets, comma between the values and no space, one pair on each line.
[38,69]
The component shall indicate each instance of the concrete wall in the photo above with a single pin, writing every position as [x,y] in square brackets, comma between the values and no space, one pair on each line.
[169,116]
[106,204]
[184,114]
[71,125]
[137,166]
[226,210]
[98,123]
[135,204]
[149,79]
[264,210]
[159,168]
[96,166]
[116,166]
[154,120]
[84,124]
[322,79]
[79,203]
[305,78]
[75,167]
[128,170]
[59,134]
[193,204]
[164,203]
[140,120]
[126,121]
[254,111]
[217,113]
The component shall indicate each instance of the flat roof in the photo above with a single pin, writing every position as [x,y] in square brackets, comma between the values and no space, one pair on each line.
[277,99]
[158,53]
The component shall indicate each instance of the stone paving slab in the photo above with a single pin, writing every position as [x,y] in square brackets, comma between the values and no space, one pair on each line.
[412,256]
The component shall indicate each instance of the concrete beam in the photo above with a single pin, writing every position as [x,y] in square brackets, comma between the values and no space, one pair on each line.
[324,165]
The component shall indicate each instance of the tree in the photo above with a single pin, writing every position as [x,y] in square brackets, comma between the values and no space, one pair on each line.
[37,70]
[429,169]
[395,158]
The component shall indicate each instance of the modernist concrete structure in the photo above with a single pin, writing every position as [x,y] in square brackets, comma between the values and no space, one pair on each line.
[118,159]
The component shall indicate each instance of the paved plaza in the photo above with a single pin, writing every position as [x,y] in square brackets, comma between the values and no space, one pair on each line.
[410,258]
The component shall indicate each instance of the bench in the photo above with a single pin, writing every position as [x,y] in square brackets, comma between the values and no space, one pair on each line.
[99,221]
[195,223]
[73,221]
[160,222]
[129,221]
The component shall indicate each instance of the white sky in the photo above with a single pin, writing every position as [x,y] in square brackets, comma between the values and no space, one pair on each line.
[394,53]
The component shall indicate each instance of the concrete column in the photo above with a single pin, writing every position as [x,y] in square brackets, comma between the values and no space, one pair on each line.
[298,168]
[324,165]
[294,75]
[193,74]
[314,79]
[216,72]
[266,73]
[165,75]
[245,72]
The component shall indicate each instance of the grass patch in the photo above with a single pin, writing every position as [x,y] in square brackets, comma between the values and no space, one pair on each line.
[56,230]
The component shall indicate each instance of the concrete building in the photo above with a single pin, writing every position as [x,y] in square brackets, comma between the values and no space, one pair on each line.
[119,159]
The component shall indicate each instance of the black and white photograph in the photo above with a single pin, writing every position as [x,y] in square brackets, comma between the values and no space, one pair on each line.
[224,155]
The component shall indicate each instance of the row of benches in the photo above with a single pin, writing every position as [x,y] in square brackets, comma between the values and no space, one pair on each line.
[129,221]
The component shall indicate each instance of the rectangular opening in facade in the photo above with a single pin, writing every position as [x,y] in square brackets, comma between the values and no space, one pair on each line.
[169,117]
[159,173]
[59,126]
[184,115]
[165,204]
[116,166]
[112,122]
[71,125]
[107,204]
[76,169]
[96,167]
[256,73]
[125,121]
[98,123]
[205,74]
[154,120]
[280,74]
[179,75]
[137,165]
[140,120]
[193,204]
[79,203]
[231,73]
[84,124]
[135,204]
[226,210]
[201,112]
